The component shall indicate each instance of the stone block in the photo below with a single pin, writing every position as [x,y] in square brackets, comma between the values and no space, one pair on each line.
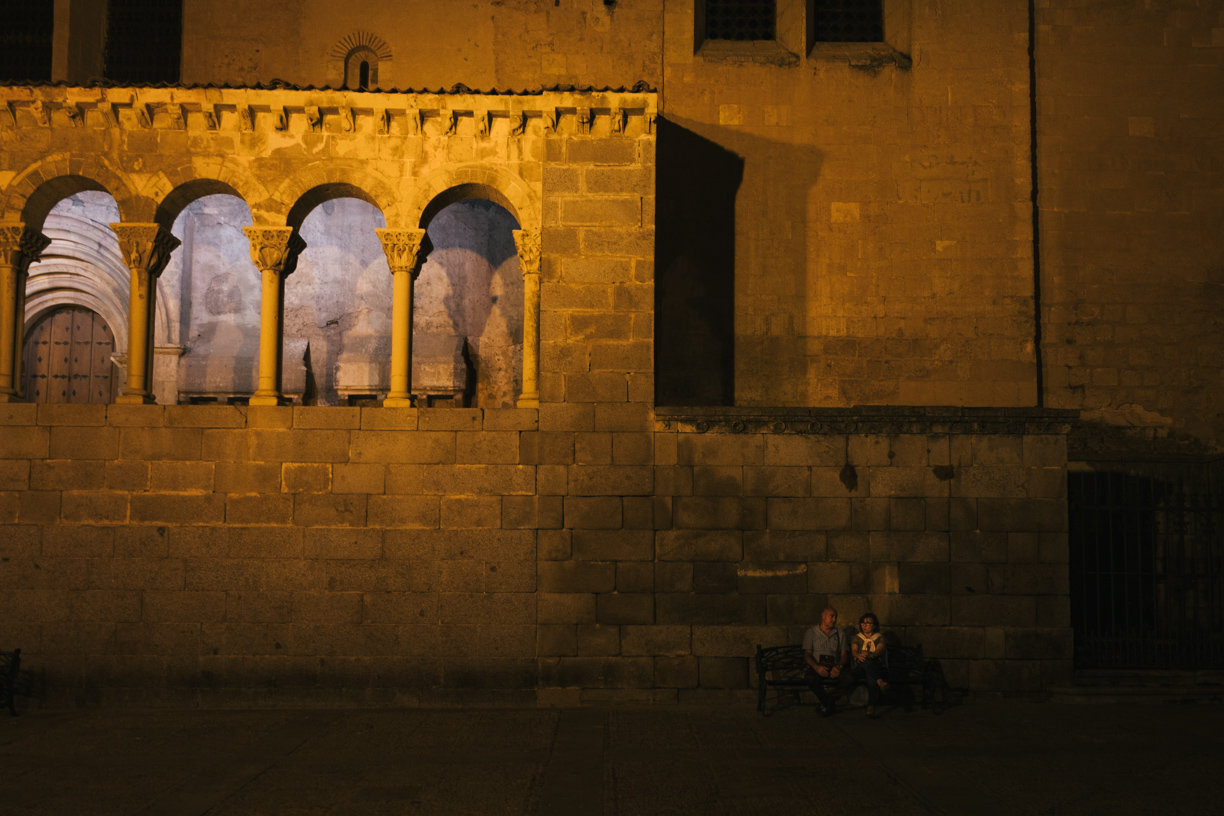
[593,513]
[772,577]
[720,449]
[902,482]
[25,442]
[511,419]
[629,448]
[264,542]
[1046,483]
[510,576]
[329,510]
[604,672]
[613,545]
[557,640]
[781,450]
[341,543]
[635,576]
[327,608]
[482,480]
[567,417]
[565,607]
[718,481]
[625,608]
[302,446]
[711,610]
[576,576]
[638,512]
[893,546]
[531,512]
[962,514]
[719,513]
[364,478]
[913,610]
[312,417]
[626,418]
[656,640]
[593,448]
[665,452]
[1054,611]
[418,448]
[596,386]
[723,672]
[673,576]
[222,445]
[870,514]
[94,507]
[1045,451]
[1022,548]
[552,545]
[487,448]
[269,416]
[450,419]
[937,515]
[141,542]
[975,547]
[402,479]
[907,514]
[78,541]
[475,543]
[796,610]
[601,151]
[908,450]
[673,481]
[73,442]
[628,356]
[171,508]
[62,474]
[808,514]
[1001,449]
[18,413]
[993,610]
[990,482]
[596,480]
[306,478]
[68,414]
[1030,643]
[258,509]
[139,416]
[181,477]
[1016,515]
[503,608]
[15,474]
[958,642]
[1054,548]
[869,450]
[676,672]
[182,607]
[736,641]
[714,576]
[388,419]
[247,477]
[1028,579]
[774,481]
[699,545]
[160,443]
[786,545]
[470,511]
[38,506]
[836,578]
[848,546]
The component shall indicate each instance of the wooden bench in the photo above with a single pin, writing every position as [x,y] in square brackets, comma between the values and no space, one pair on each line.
[783,668]
[16,682]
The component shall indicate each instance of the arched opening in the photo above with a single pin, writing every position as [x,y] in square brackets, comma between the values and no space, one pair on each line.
[468,321]
[69,358]
[361,69]
[337,303]
[215,285]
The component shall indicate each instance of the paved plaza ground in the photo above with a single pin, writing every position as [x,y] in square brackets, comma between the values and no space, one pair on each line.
[986,756]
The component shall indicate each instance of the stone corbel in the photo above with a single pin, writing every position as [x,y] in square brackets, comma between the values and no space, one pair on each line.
[552,120]
[314,117]
[348,120]
[484,121]
[246,118]
[144,114]
[586,119]
[520,127]
[282,120]
[620,118]
[452,125]
[8,119]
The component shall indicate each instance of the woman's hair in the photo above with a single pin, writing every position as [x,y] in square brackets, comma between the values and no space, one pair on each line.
[870,616]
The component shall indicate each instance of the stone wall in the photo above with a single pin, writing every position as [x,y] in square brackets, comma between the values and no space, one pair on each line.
[218,555]
[1130,139]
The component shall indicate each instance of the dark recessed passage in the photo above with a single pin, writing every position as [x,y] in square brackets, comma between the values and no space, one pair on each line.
[740,19]
[848,21]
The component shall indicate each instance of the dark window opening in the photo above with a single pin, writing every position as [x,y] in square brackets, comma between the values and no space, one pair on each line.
[25,40]
[144,41]
[363,81]
[848,21]
[740,20]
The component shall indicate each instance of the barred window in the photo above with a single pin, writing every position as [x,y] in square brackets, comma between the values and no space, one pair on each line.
[848,21]
[144,40]
[25,40]
[740,19]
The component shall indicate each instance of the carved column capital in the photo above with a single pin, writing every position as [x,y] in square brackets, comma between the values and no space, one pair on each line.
[275,249]
[145,247]
[21,246]
[527,242]
[404,248]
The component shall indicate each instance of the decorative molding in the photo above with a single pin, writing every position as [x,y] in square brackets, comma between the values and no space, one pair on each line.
[145,247]
[866,420]
[362,39]
[403,249]
[275,249]
[527,242]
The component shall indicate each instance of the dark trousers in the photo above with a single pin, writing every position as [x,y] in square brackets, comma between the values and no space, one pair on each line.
[828,691]
[869,671]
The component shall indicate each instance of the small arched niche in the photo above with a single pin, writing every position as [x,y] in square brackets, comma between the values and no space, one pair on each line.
[361,53]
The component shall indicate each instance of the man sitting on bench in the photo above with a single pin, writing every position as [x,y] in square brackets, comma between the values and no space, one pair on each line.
[826,655]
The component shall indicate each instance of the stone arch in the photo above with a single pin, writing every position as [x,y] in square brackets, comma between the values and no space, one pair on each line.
[42,185]
[314,185]
[446,186]
[183,195]
[69,285]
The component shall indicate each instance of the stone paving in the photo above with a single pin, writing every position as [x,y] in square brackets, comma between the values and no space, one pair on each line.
[983,757]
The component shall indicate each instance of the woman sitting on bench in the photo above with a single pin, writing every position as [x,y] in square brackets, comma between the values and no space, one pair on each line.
[867,648]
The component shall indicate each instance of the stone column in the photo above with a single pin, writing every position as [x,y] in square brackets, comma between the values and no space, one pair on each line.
[404,256]
[19,247]
[146,250]
[275,251]
[528,244]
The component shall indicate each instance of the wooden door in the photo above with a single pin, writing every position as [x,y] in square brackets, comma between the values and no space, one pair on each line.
[68,358]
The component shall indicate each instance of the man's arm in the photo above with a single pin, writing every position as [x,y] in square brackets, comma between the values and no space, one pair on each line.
[823,671]
[842,659]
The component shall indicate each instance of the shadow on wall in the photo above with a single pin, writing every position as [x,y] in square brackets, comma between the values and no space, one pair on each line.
[704,322]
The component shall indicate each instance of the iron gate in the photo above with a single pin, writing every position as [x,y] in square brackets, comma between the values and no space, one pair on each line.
[1147,584]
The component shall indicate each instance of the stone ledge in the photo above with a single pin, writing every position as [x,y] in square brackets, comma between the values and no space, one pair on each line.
[866,419]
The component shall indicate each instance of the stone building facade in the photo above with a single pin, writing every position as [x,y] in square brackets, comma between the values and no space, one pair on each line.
[726,331]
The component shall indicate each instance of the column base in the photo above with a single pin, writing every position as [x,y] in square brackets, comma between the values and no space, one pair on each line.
[266,399]
[399,402]
[135,399]
[8,397]
[529,401]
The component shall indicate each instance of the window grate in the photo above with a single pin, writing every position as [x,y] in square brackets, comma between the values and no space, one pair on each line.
[144,41]
[741,20]
[848,21]
[25,40]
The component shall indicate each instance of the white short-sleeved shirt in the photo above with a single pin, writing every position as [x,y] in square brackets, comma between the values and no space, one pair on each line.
[818,643]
